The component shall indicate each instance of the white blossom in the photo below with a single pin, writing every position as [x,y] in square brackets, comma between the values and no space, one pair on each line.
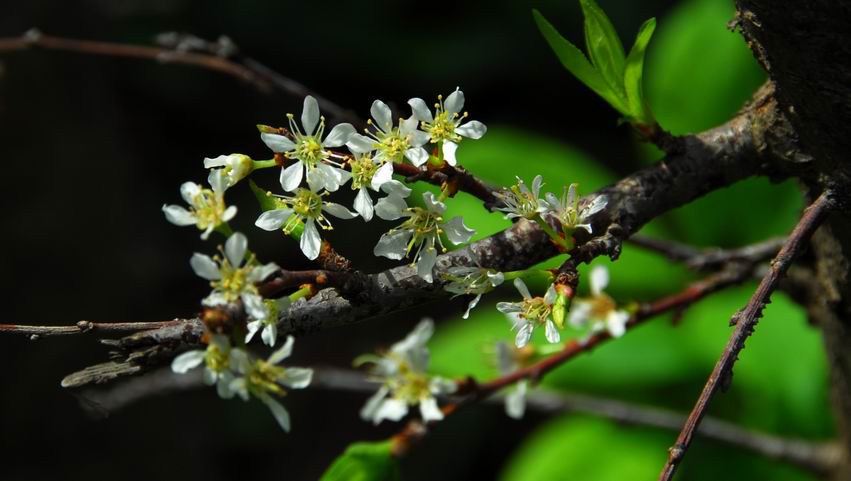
[235,166]
[507,363]
[445,127]
[217,364]
[232,277]
[530,313]
[207,208]
[567,211]
[419,233]
[520,201]
[306,208]
[599,310]
[391,144]
[405,381]
[471,281]
[265,379]
[308,149]
[267,324]
[370,172]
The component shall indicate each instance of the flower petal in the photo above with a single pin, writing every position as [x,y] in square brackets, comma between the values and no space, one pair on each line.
[252,327]
[235,248]
[432,203]
[339,135]
[394,187]
[189,191]
[278,411]
[580,313]
[599,279]
[270,334]
[392,245]
[521,287]
[599,203]
[515,401]
[429,410]
[309,115]
[552,333]
[360,144]
[205,267]
[272,220]
[218,181]
[291,176]
[507,307]
[188,360]
[417,155]
[383,175]
[420,110]
[473,303]
[177,215]
[369,410]
[523,335]
[472,129]
[254,306]
[382,115]
[456,231]
[277,143]
[392,409]
[338,211]
[425,264]
[219,161]
[363,204]
[449,149]
[297,377]
[391,207]
[310,240]
[282,353]
[551,295]
[616,323]
[454,102]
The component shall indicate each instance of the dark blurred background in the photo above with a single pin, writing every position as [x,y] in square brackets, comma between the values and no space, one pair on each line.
[93,146]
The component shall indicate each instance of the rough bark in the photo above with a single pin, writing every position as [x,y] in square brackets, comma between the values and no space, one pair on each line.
[806,49]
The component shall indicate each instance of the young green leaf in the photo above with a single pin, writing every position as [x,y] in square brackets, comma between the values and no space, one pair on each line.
[364,462]
[604,46]
[576,63]
[634,75]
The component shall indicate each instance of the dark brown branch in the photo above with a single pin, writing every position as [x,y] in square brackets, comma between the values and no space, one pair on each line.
[708,258]
[745,322]
[710,160]
[82,327]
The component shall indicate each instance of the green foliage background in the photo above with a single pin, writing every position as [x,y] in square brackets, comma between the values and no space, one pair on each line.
[698,74]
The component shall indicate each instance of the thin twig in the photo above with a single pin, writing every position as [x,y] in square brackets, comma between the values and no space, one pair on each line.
[708,258]
[82,327]
[745,321]
[734,275]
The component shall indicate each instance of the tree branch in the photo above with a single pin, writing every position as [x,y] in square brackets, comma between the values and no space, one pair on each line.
[81,327]
[710,160]
[745,322]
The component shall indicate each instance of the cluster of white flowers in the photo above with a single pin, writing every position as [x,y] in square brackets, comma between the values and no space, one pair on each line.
[310,171]
[235,371]
[405,382]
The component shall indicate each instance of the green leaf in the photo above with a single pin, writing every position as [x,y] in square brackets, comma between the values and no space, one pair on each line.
[364,462]
[604,46]
[575,62]
[634,75]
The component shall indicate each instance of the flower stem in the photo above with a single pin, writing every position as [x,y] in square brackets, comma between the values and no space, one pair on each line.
[527,273]
[303,292]
[264,164]
[224,229]
[552,233]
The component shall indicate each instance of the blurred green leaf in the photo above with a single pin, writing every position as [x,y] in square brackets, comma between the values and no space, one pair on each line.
[364,462]
[578,448]
[634,74]
[699,72]
[604,47]
[575,62]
